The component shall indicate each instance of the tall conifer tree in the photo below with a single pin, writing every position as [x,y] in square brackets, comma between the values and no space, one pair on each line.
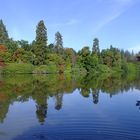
[40,44]
[3,33]
[58,43]
[95,48]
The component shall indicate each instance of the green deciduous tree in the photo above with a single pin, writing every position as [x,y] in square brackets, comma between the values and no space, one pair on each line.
[25,45]
[12,45]
[20,55]
[50,48]
[85,58]
[70,56]
[88,60]
[111,57]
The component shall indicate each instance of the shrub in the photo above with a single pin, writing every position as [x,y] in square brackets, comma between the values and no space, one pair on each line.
[19,68]
[46,69]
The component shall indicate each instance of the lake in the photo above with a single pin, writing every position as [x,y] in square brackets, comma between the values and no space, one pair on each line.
[58,107]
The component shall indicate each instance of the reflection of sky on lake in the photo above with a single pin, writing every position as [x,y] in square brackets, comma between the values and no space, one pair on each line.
[77,115]
[20,117]
[52,108]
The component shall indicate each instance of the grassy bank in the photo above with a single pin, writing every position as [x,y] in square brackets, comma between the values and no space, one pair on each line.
[17,68]
[24,68]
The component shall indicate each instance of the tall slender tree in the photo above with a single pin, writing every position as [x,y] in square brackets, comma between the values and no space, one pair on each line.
[3,33]
[58,42]
[40,44]
[95,48]
[41,34]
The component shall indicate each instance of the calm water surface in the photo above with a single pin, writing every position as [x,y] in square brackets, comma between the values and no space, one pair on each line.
[58,107]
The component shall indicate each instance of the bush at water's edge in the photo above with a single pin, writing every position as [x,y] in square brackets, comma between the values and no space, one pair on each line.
[24,68]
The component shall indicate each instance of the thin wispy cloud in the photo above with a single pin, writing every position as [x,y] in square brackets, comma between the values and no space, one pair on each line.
[106,20]
[116,8]
[112,21]
[68,23]
[72,22]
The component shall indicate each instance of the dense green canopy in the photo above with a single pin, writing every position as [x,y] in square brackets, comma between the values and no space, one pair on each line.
[55,57]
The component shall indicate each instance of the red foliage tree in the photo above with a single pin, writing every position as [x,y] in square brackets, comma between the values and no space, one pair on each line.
[3,48]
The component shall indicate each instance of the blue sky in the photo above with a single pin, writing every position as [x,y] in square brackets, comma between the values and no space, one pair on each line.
[115,22]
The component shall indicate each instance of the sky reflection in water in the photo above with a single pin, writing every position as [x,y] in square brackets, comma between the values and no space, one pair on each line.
[65,107]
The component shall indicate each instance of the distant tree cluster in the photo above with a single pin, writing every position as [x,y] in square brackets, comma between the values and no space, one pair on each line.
[39,52]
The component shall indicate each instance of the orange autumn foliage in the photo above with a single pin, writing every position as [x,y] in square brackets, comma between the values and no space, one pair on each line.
[3,97]
[3,48]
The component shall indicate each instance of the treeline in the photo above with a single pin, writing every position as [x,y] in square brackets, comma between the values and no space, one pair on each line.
[55,57]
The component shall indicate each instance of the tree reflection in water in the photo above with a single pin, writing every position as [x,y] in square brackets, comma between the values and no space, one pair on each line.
[95,95]
[58,101]
[138,104]
[42,87]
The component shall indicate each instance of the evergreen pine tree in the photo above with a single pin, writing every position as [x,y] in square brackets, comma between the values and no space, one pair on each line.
[95,48]
[39,47]
[58,43]
[3,33]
